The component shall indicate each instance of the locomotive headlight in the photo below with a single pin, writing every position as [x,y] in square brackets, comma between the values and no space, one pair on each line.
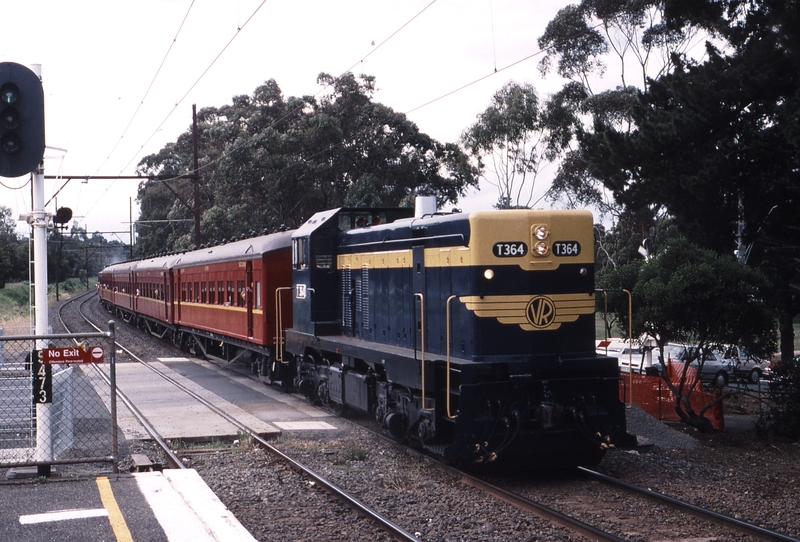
[540,232]
[541,248]
[488,274]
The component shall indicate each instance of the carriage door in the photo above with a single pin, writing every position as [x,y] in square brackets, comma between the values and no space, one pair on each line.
[248,288]
[420,301]
[178,294]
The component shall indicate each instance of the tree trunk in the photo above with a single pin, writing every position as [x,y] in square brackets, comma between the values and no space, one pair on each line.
[785,317]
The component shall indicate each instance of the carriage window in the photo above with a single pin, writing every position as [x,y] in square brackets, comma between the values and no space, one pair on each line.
[258,294]
[190,295]
[300,252]
[212,292]
[203,293]
[196,292]
[221,292]
[241,294]
[229,301]
[183,291]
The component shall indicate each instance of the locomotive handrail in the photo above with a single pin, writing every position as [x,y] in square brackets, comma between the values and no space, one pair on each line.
[279,325]
[458,238]
[447,363]
[628,400]
[422,340]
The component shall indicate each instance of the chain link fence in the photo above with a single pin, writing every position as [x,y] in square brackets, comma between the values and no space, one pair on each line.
[57,400]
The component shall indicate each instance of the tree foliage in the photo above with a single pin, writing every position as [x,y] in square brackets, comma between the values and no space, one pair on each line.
[689,295]
[12,258]
[268,161]
[714,144]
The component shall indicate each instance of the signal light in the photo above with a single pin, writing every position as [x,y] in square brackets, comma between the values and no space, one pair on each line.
[21,120]
[63,215]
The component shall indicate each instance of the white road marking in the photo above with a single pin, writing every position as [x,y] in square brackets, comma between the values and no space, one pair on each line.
[63,515]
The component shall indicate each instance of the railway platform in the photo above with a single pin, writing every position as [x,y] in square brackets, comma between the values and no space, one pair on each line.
[170,506]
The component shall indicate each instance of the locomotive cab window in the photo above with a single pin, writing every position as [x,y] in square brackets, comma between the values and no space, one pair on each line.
[300,252]
[323,257]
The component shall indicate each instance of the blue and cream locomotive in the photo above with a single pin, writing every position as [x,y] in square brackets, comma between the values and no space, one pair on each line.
[471,333]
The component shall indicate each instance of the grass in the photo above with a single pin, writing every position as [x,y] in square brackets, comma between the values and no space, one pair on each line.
[15,302]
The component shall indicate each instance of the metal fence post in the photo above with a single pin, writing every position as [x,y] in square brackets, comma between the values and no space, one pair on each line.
[112,334]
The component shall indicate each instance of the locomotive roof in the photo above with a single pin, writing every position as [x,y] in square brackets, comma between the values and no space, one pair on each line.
[346,218]
[448,228]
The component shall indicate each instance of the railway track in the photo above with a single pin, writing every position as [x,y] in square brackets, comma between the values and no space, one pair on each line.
[590,531]
[174,461]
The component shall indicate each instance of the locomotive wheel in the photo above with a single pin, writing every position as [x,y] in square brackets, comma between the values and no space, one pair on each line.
[339,409]
[322,393]
[398,426]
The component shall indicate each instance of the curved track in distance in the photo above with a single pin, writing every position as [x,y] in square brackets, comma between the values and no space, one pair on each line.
[389,526]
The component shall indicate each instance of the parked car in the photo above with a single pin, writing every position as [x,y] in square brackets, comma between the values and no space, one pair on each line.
[745,365]
[629,356]
[716,370]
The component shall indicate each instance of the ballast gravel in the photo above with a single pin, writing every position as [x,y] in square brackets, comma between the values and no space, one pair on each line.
[729,471]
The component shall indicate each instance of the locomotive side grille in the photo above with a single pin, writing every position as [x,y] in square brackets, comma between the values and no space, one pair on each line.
[365,297]
[347,313]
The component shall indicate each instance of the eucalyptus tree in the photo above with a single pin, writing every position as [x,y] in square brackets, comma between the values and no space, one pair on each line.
[268,161]
[711,142]
[582,40]
[513,141]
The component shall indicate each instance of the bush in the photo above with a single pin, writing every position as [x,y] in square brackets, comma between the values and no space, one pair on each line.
[781,418]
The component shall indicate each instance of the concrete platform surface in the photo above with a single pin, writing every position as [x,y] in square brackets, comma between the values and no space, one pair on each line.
[169,506]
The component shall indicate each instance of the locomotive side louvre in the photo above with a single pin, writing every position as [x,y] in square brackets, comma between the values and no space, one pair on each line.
[466,332]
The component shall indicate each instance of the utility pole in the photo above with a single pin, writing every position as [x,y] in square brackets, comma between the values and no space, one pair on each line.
[196,176]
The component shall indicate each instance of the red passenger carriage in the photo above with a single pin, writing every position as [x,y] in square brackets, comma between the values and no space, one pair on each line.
[219,299]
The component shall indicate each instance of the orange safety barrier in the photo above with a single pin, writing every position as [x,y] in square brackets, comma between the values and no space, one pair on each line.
[653,395]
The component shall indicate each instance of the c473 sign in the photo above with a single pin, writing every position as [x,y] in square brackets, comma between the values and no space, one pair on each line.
[45,358]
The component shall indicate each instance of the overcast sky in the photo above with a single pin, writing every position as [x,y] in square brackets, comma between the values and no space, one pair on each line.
[100,58]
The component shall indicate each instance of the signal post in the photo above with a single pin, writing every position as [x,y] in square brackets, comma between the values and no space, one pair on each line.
[21,152]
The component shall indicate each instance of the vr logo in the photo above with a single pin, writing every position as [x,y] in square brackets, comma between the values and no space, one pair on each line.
[540,312]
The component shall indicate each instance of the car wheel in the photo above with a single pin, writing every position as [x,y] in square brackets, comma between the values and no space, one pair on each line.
[754,376]
[721,380]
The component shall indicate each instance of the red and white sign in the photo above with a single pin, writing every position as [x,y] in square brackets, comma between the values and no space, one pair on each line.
[53,356]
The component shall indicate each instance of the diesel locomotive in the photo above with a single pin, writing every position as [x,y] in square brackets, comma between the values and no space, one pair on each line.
[471,334]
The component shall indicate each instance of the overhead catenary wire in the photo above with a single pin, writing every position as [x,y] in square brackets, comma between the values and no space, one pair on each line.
[149,88]
[138,108]
[235,147]
[178,103]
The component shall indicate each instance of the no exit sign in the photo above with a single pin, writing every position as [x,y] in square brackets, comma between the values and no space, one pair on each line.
[52,356]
